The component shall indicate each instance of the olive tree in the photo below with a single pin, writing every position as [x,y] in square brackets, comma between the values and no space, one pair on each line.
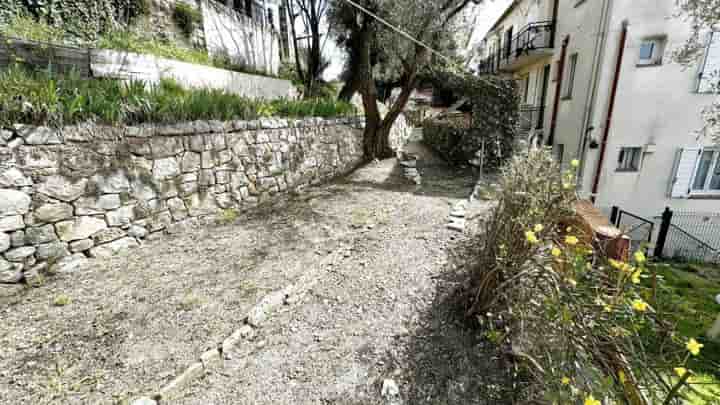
[379,53]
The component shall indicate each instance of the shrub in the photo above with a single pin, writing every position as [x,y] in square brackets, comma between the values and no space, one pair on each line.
[130,41]
[40,97]
[26,27]
[578,322]
[187,18]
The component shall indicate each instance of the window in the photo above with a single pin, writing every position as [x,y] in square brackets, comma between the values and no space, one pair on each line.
[570,82]
[709,76]
[629,159]
[508,42]
[651,51]
[707,173]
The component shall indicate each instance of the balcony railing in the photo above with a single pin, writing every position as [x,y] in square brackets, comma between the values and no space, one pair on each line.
[531,117]
[533,37]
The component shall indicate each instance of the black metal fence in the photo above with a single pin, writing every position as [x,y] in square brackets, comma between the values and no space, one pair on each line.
[637,228]
[693,236]
[42,55]
[534,36]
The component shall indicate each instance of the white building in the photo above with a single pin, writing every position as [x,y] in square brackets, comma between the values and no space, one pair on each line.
[607,92]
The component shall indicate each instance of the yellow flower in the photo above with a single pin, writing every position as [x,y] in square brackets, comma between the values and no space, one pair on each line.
[640,257]
[555,252]
[590,400]
[615,264]
[565,381]
[538,228]
[571,240]
[626,268]
[608,308]
[680,371]
[574,163]
[639,305]
[567,186]
[572,282]
[621,376]
[568,229]
[694,347]
[636,277]
[531,237]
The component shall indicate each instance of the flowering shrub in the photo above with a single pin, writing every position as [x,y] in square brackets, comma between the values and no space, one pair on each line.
[578,321]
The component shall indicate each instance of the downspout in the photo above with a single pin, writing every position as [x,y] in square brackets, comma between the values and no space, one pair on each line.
[558,89]
[611,107]
[553,34]
[589,111]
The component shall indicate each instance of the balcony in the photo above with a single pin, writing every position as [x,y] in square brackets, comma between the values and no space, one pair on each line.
[533,43]
[531,118]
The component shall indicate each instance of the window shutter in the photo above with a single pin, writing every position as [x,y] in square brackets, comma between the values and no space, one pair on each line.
[684,169]
[711,67]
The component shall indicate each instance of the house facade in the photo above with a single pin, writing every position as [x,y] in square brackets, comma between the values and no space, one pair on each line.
[616,100]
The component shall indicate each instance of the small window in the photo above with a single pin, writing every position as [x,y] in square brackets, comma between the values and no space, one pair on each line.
[570,83]
[629,159]
[651,52]
[707,173]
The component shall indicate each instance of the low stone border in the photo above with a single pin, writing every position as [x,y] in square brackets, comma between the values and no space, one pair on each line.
[254,320]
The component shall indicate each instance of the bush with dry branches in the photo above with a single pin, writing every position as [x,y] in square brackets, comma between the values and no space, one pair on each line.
[578,322]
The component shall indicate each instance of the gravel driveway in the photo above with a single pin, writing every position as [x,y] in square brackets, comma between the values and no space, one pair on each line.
[381,310]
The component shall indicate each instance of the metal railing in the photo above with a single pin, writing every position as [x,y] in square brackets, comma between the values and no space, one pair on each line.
[534,36]
[689,236]
[531,117]
[680,244]
[637,228]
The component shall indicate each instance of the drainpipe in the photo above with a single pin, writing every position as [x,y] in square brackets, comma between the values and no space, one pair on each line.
[611,107]
[553,34]
[558,89]
[589,110]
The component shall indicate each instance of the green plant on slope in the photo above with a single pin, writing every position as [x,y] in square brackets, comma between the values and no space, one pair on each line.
[26,27]
[187,18]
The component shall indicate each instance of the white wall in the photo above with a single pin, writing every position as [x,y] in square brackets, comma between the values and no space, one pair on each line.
[245,41]
[654,105]
[127,65]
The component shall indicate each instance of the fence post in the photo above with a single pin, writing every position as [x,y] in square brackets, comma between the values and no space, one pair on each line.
[662,235]
[614,215]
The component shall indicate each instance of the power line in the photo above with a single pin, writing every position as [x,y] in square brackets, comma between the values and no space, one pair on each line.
[399,31]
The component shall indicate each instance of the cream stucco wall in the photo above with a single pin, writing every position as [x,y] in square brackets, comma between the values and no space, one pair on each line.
[655,105]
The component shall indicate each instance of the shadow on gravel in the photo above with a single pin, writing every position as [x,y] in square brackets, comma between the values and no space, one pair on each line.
[446,361]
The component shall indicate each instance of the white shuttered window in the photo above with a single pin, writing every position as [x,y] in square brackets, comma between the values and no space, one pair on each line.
[709,76]
[684,170]
[697,172]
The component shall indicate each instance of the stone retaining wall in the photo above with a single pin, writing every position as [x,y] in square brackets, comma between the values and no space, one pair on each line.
[92,190]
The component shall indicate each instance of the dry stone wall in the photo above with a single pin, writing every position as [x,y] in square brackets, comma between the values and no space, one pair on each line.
[92,190]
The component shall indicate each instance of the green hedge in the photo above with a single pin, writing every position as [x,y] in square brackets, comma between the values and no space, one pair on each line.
[42,98]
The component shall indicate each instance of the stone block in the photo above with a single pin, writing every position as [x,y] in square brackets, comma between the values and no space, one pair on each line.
[177,209]
[190,162]
[122,216]
[195,143]
[36,235]
[13,202]
[199,205]
[159,221]
[143,189]
[113,183]
[81,245]
[137,231]
[19,254]
[108,235]
[10,272]
[13,177]
[163,147]
[49,213]
[166,168]
[4,242]
[215,142]
[11,223]
[207,160]
[63,189]
[52,250]
[38,135]
[17,238]
[97,205]
[70,264]
[79,228]
[113,248]
[207,178]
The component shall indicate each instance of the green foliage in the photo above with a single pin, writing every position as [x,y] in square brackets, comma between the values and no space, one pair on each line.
[584,327]
[187,18]
[229,216]
[494,105]
[26,27]
[44,98]
[687,293]
[136,42]
[62,300]
[79,20]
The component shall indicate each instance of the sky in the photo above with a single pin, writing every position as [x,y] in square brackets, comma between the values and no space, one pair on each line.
[488,13]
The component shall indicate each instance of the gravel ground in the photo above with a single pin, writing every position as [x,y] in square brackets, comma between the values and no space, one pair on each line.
[381,311]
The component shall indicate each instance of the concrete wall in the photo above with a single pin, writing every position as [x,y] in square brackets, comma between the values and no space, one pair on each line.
[93,191]
[127,65]
[243,40]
